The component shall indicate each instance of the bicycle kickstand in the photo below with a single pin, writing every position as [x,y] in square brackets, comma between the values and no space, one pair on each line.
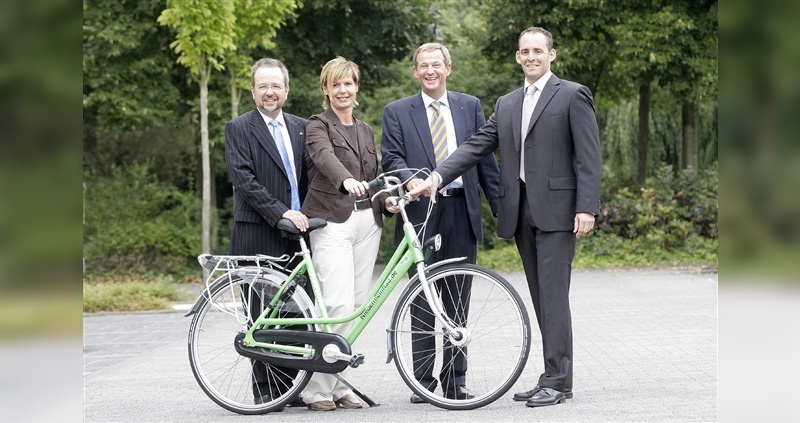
[360,394]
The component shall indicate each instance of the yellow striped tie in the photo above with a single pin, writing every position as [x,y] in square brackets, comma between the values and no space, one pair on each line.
[438,134]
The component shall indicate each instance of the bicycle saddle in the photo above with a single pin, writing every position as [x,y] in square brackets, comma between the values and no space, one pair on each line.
[290,231]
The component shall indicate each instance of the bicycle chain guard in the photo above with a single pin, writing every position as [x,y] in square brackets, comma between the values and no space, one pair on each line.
[315,363]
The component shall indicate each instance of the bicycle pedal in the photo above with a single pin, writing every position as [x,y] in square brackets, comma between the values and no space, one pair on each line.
[356,360]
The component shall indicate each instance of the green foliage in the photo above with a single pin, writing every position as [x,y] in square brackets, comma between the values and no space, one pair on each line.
[599,250]
[127,73]
[667,213]
[138,107]
[134,223]
[618,133]
[204,33]
[373,34]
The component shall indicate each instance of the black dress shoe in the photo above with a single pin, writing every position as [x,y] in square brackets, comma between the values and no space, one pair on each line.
[297,402]
[459,393]
[415,399]
[526,395]
[546,396]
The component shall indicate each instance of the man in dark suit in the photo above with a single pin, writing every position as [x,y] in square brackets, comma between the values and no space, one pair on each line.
[264,149]
[549,193]
[410,133]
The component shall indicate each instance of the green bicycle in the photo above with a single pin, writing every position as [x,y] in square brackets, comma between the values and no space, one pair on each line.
[255,312]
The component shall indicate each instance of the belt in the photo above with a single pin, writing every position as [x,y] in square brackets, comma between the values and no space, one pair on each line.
[362,204]
[452,192]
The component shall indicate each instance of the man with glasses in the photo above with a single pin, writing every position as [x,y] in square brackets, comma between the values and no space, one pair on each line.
[264,150]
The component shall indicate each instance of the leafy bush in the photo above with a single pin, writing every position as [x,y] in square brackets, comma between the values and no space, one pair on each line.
[134,223]
[666,213]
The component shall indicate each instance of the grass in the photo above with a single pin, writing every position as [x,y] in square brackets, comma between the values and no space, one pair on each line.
[609,251]
[133,292]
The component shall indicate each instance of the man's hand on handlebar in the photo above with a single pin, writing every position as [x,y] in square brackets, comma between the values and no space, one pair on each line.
[391,204]
[427,187]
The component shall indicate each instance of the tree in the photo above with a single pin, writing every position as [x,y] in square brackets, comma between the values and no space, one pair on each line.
[581,36]
[204,36]
[133,92]
[257,24]
[698,78]
[373,34]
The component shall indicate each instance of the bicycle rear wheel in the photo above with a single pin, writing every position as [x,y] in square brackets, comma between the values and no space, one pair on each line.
[494,348]
[238,383]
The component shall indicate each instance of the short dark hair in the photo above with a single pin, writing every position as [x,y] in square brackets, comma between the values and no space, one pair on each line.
[269,63]
[542,31]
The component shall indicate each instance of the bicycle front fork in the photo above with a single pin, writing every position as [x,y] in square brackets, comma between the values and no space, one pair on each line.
[437,308]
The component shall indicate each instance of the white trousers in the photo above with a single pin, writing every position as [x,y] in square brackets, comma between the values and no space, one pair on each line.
[344,257]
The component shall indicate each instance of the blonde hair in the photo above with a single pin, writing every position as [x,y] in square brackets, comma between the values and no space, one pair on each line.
[335,70]
[429,47]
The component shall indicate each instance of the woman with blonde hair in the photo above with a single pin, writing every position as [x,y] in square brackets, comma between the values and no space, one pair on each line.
[341,158]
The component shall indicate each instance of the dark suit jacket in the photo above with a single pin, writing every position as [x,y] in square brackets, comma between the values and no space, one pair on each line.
[406,143]
[562,156]
[332,158]
[262,193]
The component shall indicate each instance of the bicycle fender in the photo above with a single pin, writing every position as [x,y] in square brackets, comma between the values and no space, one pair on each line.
[440,263]
[245,274]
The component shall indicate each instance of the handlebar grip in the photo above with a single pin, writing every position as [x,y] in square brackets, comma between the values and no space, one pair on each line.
[376,183]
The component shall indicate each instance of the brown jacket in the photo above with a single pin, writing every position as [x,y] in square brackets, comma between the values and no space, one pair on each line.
[331,158]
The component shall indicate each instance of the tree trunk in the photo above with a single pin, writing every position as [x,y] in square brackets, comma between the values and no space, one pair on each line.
[234,96]
[690,119]
[206,163]
[644,132]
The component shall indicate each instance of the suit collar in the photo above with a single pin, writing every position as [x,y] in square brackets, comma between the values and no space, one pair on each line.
[541,82]
[547,94]
[264,138]
[516,97]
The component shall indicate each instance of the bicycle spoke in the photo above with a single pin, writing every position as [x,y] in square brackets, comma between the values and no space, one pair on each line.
[495,328]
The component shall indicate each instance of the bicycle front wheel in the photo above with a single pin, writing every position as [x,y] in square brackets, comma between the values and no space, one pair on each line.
[494,331]
[233,381]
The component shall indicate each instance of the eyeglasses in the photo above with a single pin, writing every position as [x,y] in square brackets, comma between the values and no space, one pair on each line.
[274,88]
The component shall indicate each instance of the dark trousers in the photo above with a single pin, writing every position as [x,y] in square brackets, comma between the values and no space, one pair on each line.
[267,379]
[451,222]
[547,260]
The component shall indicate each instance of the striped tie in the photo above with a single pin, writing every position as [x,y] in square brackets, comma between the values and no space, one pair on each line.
[438,134]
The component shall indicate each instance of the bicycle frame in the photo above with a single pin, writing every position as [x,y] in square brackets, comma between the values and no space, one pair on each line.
[408,253]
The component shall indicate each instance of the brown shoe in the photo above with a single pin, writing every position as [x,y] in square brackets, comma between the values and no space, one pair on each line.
[324,405]
[349,401]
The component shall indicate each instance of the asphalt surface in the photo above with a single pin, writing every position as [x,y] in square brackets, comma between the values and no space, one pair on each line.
[645,349]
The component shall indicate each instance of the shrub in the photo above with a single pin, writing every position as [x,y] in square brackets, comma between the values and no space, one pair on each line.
[134,223]
[667,212]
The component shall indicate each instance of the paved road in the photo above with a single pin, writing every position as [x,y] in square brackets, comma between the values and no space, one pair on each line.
[645,346]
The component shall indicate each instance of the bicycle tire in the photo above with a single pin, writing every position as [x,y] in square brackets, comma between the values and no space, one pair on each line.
[497,330]
[226,376]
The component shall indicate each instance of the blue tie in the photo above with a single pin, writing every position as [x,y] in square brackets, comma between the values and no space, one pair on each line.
[287,164]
